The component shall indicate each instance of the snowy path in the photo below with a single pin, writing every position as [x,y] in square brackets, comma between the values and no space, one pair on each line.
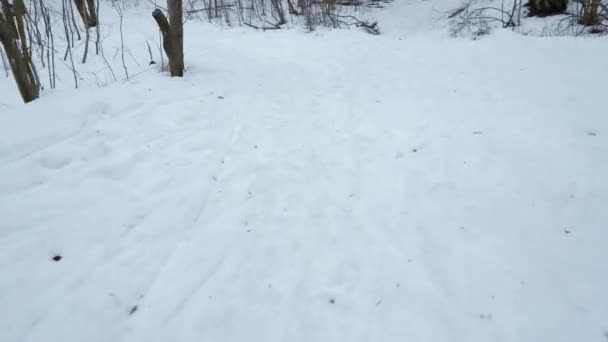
[347,188]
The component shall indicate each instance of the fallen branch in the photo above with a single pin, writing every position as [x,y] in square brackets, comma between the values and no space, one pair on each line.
[264,28]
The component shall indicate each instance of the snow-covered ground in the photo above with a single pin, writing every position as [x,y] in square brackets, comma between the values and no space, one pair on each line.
[327,186]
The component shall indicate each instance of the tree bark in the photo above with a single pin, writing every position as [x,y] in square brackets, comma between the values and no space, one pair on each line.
[177,36]
[589,15]
[165,29]
[87,12]
[547,7]
[172,31]
[14,41]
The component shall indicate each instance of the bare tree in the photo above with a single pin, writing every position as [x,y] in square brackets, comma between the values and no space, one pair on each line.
[86,9]
[479,21]
[589,14]
[68,52]
[173,35]
[15,43]
[4,63]
[119,10]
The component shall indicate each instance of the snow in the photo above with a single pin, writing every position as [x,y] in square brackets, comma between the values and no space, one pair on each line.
[325,186]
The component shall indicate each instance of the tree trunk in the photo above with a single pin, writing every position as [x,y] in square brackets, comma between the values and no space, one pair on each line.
[173,35]
[547,7]
[177,36]
[92,13]
[14,41]
[589,15]
[87,12]
[165,28]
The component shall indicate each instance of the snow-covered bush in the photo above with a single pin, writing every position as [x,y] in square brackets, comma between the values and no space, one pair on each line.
[535,17]
[273,14]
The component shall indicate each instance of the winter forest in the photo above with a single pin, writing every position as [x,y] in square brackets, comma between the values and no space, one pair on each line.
[303,170]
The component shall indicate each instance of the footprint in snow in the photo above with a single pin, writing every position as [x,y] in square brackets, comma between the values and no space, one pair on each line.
[55,162]
[486,316]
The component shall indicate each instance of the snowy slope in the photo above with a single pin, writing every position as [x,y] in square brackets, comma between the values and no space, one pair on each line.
[332,186]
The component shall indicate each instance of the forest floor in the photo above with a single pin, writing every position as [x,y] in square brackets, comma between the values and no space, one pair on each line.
[325,186]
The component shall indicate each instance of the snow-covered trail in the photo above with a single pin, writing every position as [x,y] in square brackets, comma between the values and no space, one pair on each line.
[344,188]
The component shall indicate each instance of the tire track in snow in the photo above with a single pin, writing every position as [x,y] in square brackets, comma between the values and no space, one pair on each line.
[54,142]
[187,236]
[96,111]
[200,283]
